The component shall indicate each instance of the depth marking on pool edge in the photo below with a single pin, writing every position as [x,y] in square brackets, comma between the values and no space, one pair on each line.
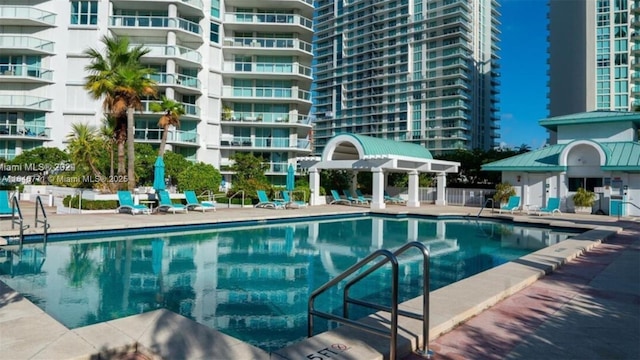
[328,352]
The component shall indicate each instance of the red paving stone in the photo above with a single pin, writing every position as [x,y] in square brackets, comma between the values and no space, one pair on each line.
[496,331]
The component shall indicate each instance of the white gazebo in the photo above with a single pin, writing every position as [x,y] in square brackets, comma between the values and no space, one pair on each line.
[379,156]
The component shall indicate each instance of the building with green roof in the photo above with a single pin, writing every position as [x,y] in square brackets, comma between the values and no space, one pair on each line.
[380,156]
[596,150]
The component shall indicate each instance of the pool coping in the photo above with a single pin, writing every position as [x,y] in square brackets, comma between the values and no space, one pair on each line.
[163,334]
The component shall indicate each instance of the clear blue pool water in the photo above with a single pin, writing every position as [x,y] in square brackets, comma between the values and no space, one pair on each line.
[252,283]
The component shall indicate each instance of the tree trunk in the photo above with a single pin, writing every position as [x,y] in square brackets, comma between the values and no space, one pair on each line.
[121,139]
[131,160]
[163,141]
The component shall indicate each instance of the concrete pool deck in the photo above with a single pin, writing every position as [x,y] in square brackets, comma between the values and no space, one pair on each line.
[565,297]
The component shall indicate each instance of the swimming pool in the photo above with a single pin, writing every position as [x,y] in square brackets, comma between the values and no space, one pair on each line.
[252,282]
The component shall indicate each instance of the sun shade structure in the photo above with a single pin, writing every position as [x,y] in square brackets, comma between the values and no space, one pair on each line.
[379,156]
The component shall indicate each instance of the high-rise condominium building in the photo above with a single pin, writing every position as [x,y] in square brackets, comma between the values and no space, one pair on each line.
[421,71]
[594,48]
[242,70]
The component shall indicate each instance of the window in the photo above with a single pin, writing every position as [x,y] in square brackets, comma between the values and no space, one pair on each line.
[214,33]
[587,183]
[84,12]
[215,8]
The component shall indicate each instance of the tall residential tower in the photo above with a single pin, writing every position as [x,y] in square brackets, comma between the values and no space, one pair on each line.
[241,68]
[421,71]
[594,48]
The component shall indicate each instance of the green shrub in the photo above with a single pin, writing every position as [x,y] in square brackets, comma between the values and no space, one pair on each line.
[503,192]
[72,201]
[584,198]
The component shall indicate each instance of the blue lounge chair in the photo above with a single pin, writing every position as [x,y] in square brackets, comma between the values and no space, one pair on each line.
[362,197]
[167,205]
[194,204]
[264,202]
[512,205]
[292,203]
[553,206]
[127,204]
[5,204]
[393,199]
[337,199]
[349,196]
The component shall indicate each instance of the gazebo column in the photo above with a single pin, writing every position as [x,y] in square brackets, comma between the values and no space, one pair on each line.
[414,200]
[314,185]
[377,198]
[440,189]
[354,182]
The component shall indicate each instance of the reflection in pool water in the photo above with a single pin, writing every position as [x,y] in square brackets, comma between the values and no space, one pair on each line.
[252,283]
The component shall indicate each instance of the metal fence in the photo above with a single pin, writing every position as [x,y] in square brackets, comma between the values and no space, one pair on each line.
[453,196]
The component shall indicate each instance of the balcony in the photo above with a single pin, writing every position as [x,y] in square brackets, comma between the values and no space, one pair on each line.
[25,45]
[250,69]
[183,56]
[151,26]
[177,137]
[269,118]
[305,6]
[191,110]
[24,103]
[185,84]
[267,46]
[11,73]
[267,21]
[25,16]
[26,131]
[185,7]
[259,93]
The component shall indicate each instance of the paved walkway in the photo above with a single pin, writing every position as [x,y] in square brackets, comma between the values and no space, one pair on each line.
[587,309]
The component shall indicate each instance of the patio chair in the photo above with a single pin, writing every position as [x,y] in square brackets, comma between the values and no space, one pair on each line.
[126,204]
[5,204]
[264,202]
[349,196]
[393,199]
[292,203]
[167,205]
[337,199]
[194,204]
[362,197]
[512,205]
[553,206]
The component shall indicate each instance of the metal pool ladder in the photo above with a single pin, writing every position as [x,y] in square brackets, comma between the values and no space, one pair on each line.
[392,333]
[15,209]
[42,221]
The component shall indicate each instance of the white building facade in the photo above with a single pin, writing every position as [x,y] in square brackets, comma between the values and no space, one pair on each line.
[594,53]
[419,71]
[242,70]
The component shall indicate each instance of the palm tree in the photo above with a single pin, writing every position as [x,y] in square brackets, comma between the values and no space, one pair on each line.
[171,111]
[84,147]
[119,77]
[108,133]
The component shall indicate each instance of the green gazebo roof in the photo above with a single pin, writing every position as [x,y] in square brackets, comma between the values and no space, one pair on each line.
[373,146]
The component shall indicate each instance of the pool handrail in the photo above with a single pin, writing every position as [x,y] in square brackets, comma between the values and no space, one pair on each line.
[620,207]
[489,200]
[234,195]
[44,220]
[393,309]
[15,208]
[424,317]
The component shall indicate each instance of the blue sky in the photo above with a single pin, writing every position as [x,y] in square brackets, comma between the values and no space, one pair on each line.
[523,90]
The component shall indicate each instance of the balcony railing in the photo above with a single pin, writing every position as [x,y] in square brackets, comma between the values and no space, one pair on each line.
[189,109]
[268,43]
[176,79]
[175,136]
[155,22]
[25,130]
[272,68]
[194,3]
[268,18]
[27,12]
[264,117]
[25,42]
[26,71]
[160,50]
[25,101]
[260,92]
